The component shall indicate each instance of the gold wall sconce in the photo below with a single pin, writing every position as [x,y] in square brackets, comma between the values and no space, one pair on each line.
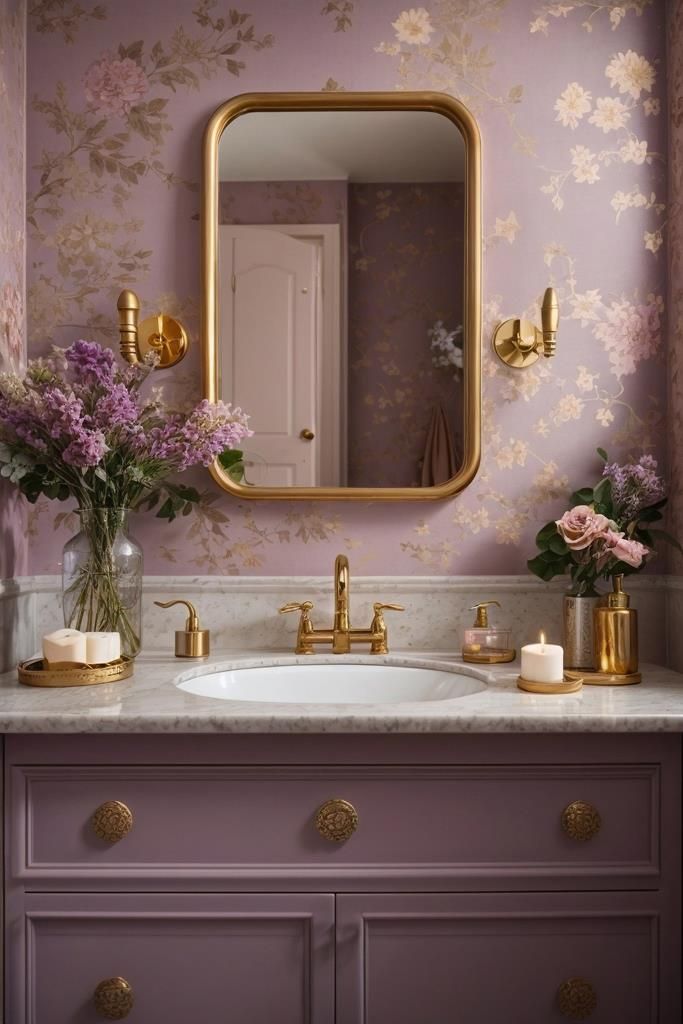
[160,334]
[519,343]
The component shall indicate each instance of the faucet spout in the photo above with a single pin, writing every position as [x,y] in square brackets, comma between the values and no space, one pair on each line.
[341,594]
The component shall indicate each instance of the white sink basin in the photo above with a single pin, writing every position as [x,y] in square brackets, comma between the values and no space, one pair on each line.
[323,683]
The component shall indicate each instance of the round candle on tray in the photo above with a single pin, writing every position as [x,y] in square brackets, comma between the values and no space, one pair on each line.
[542,662]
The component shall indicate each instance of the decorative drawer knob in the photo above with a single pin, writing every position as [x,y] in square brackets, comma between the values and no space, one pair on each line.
[112,821]
[336,820]
[113,998]
[581,821]
[576,999]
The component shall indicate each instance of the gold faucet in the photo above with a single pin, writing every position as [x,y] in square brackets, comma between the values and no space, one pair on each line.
[341,636]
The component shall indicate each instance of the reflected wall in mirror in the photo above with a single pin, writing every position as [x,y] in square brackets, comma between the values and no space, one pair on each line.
[342,292]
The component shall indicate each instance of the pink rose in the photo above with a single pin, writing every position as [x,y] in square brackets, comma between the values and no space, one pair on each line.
[624,550]
[114,86]
[580,526]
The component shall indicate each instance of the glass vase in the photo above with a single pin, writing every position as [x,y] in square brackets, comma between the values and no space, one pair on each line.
[102,578]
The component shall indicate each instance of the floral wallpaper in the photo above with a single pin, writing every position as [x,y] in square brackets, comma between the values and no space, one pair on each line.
[405,273]
[569,97]
[283,202]
[675,227]
[12,251]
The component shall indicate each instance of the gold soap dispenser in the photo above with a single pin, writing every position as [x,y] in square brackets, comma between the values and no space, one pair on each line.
[615,632]
[485,644]
[191,642]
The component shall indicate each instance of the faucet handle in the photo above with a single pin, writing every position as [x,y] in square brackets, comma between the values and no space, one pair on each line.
[379,626]
[303,644]
[297,606]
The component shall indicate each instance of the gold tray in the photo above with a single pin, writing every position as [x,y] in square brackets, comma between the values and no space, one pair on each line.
[493,658]
[592,678]
[568,685]
[34,673]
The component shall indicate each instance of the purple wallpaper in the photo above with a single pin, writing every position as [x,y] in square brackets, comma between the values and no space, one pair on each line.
[13,548]
[282,202]
[574,149]
[405,273]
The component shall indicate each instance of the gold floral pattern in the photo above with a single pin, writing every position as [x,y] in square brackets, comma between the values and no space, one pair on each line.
[114,161]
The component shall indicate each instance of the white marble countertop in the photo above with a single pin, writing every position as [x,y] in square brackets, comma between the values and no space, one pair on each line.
[149,702]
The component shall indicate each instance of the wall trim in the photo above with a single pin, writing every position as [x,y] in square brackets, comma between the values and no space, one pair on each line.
[412,584]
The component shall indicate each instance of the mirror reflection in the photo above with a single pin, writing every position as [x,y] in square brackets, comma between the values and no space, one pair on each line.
[341,244]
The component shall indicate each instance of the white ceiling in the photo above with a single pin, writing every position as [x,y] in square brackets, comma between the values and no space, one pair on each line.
[356,145]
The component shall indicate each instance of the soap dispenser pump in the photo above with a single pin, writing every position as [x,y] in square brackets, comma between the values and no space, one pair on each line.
[485,644]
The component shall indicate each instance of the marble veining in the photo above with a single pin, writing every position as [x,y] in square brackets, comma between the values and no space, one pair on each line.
[149,702]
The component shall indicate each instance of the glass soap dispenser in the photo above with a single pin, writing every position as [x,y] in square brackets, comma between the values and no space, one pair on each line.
[485,644]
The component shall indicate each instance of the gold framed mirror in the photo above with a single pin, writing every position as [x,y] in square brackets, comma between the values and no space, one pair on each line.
[341,292]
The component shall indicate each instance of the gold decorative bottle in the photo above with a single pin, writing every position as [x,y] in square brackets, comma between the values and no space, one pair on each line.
[616,633]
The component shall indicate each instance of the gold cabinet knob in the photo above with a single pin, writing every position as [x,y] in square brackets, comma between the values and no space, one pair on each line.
[112,821]
[113,998]
[336,820]
[581,821]
[306,434]
[576,999]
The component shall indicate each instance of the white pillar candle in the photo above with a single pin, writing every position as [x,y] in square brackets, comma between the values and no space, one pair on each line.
[101,648]
[64,645]
[542,662]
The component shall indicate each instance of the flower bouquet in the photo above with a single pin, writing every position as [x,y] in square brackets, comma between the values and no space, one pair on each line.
[76,426]
[608,530]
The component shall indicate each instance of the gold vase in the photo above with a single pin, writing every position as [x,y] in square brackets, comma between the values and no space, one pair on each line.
[615,633]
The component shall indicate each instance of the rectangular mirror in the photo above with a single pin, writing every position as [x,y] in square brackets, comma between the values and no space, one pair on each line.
[341,292]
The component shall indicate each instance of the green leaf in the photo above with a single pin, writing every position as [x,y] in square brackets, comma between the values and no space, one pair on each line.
[546,534]
[602,453]
[668,538]
[584,496]
[539,567]
[557,545]
[602,495]
[649,515]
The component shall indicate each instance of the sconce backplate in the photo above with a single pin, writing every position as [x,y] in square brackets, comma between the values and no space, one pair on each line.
[164,336]
[514,355]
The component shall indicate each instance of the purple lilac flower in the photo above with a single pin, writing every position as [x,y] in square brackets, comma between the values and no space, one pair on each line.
[90,362]
[117,408]
[86,449]
[18,422]
[199,438]
[635,486]
[63,413]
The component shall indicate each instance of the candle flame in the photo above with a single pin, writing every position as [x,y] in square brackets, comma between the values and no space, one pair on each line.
[541,637]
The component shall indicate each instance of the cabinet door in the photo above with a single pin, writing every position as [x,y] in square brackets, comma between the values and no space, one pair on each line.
[498,959]
[246,959]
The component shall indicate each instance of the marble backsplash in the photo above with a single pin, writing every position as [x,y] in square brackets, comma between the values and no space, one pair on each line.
[242,612]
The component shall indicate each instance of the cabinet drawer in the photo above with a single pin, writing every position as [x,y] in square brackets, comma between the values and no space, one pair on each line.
[243,958]
[429,826]
[540,959]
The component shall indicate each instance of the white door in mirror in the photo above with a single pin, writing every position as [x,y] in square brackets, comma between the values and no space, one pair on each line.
[269,341]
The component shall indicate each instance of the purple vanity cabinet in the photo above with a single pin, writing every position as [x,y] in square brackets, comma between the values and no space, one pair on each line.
[195,959]
[480,879]
[495,959]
